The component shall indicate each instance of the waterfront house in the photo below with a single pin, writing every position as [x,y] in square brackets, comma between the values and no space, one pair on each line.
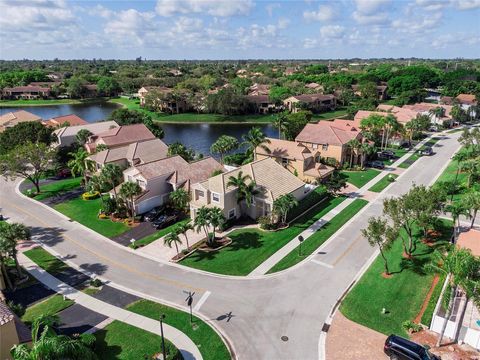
[26,92]
[71,120]
[296,158]
[159,178]
[272,181]
[261,104]
[66,135]
[328,140]
[13,118]
[119,136]
[313,102]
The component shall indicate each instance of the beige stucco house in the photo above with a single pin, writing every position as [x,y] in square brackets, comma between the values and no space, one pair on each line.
[296,158]
[165,102]
[12,330]
[66,136]
[13,118]
[272,181]
[329,139]
[119,136]
[313,102]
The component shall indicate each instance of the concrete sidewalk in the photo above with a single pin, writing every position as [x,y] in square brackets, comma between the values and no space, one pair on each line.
[184,344]
[360,193]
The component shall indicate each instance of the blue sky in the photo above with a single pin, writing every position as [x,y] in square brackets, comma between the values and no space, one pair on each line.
[239,29]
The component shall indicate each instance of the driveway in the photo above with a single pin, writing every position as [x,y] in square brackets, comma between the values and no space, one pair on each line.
[261,310]
[138,232]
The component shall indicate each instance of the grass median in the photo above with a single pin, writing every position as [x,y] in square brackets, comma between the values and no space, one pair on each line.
[210,344]
[402,295]
[56,188]
[251,247]
[50,306]
[383,183]
[323,234]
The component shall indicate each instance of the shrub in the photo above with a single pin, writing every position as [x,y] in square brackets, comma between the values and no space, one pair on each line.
[391,178]
[90,195]
[96,283]
[18,309]
[109,205]
[265,223]
[410,326]
[103,216]
[88,340]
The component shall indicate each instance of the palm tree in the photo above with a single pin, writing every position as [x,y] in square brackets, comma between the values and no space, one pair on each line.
[392,125]
[224,145]
[239,182]
[128,191]
[455,209]
[281,123]
[471,167]
[112,174]
[79,164]
[283,204]
[10,234]
[172,238]
[466,138]
[183,229]
[255,138]
[179,198]
[461,269]
[472,204]
[82,136]
[365,150]
[216,219]
[354,145]
[202,220]
[438,112]
[4,257]
[46,344]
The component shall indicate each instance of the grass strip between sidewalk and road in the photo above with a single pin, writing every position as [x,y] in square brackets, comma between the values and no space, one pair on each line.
[251,247]
[210,344]
[56,188]
[312,243]
[403,294]
[50,306]
[416,155]
[383,183]
[46,261]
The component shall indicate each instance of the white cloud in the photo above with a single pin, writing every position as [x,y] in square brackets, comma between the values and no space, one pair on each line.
[131,25]
[270,7]
[283,23]
[101,11]
[432,5]
[369,7]
[467,4]
[418,24]
[370,19]
[332,31]
[211,7]
[324,13]
[370,12]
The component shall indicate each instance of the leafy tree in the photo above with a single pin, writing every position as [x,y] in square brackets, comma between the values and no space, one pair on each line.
[281,123]
[316,69]
[241,85]
[80,164]
[112,175]
[282,205]
[277,94]
[29,161]
[24,132]
[82,136]
[108,86]
[124,116]
[172,238]
[202,221]
[183,230]
[216,219]
[227,102]
[335,182]
[295,123]
[180,199]
[75,88]
[255,138]
[128,191]
[46,344]
[178,148]
[224,145]
[10,235]
[379,233]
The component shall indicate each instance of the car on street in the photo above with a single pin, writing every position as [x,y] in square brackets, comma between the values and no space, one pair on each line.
[164,220]
[153,214]
[376,164]
[386,154]
[427,151]
[398,348]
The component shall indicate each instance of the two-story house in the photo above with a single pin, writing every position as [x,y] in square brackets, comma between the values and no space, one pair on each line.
[11,119]
[272,181]
[329,140]
[261,104]
[165,100]
[159,178]
[66,135]
[119,136]
[296,158]
[312,102]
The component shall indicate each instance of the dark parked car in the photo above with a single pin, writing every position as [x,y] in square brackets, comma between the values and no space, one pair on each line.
[398,348]
[426,151]
[164,220]
[64,173]
[386,154]
[153,214]
[376,164]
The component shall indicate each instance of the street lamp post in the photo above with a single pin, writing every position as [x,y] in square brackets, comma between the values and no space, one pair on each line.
[300,239]
[189,301]
[162,316]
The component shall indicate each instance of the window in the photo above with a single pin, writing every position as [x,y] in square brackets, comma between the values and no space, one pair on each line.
[314,146]
[199,194]
[141,184]
[325,147]
[231,213]
[284,162]
[215,197]
[268,209]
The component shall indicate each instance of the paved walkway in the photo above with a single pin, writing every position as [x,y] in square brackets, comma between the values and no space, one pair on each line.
[186,346]
[352,193]
[363,343]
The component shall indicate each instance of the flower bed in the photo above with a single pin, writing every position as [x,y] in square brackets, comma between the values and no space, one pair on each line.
[90,195]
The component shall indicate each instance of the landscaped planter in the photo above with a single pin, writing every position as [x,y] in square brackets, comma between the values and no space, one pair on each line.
[90,195]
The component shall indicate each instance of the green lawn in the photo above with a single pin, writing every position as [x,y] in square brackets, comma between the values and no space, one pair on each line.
[428,314]
[49,306]
[39,102]
[46,261]
[251,247]
[323,234]
[208,341]
[85,212]
[401,295]
[383,183]
[57,188]
[330,115]
[360,178]
[449,174]
[123,341]
[160,233]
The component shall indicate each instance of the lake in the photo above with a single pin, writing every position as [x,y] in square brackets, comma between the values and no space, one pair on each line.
[197,136]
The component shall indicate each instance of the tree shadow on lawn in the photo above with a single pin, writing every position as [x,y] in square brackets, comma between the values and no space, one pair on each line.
[103,349]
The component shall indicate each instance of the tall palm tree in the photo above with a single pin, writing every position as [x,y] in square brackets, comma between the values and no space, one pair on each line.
[281,123]
[4,257]
[283,204]
[79,164]
[224,145]
[216,219]
[455,209]
[179,199]
[461,269]
[112,174]
[438,112]
[391,125]
[472,168]
[472,204]
[255,138]
[46,344]
[172,238]
[354,145]
[10,234]
[246,188]
[183,229]
[202,220]
[366,149]
[128,191]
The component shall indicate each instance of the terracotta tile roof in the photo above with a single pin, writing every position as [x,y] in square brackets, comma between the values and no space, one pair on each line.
[13,118]
[470,240]
[308,98]
[331,133]
[402,114]
[94,128]
[147,151]
[313,85]
[272,177]
[319,170]
[467,99]
[124,135]
[447,100]
[259,89]
[72,119]
[285,149]
[425,107]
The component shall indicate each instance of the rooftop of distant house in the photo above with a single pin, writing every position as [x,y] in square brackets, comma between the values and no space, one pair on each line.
[71,120]
[337,132]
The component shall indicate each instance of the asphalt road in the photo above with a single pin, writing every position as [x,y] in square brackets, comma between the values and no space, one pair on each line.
[255,312]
